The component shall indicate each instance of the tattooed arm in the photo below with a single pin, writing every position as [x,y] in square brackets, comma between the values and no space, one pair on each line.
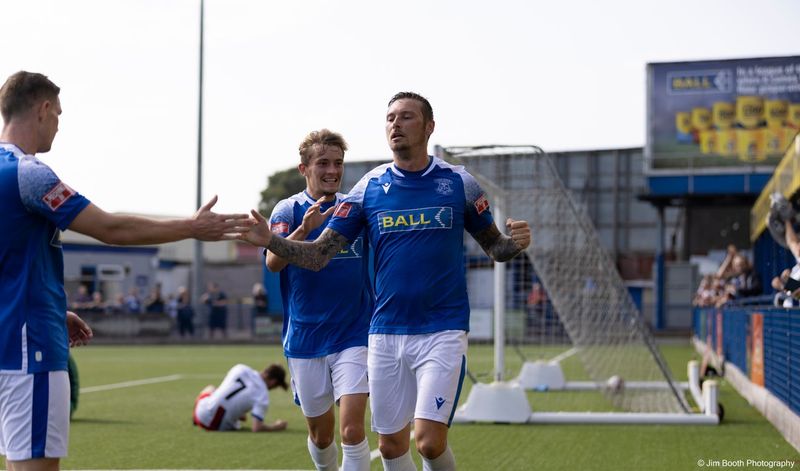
[311,255]
[312,219]
[500,247]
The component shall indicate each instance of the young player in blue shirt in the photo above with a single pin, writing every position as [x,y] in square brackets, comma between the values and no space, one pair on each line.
[415,210]
[35,327]
[325,337]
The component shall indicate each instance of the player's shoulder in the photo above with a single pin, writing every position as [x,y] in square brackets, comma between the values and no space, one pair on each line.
[472,189]
[240,368]
[439,166]
[286,206]
[358,190]
[376,172]
[31,167]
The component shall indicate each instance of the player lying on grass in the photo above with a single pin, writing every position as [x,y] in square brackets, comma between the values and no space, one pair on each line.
[243,390]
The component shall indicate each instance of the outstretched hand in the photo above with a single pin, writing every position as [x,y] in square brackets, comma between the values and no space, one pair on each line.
[78,330]
[258,233]
[314,217]
[520,233]
[210,226]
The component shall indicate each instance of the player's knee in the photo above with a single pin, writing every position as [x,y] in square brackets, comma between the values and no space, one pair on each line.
[352,434]
[431,448]
[321,440]
[390,449]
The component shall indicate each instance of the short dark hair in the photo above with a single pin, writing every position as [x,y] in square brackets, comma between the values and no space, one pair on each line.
[277,373]
[323,138]
[22,91]
[427,110]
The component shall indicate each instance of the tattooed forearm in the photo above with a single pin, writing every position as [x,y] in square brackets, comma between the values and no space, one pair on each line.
[310,255]
[499,247]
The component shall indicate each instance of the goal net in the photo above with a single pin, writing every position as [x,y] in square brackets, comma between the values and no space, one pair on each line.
[565,292]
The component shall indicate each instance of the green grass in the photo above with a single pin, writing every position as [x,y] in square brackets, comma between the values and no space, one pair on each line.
[149,426]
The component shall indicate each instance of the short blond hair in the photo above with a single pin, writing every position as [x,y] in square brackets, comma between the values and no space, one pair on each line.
[318,141]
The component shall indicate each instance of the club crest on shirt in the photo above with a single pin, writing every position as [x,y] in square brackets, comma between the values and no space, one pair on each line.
[444,186]
[279,227]
[342,210]
[482,204]
[57,196]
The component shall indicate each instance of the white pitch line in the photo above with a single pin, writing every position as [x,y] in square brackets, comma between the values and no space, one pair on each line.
[128,384]
[376,453]
[565,355]
[189,469]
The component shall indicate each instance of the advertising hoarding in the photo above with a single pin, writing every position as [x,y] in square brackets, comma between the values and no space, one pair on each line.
[725,114]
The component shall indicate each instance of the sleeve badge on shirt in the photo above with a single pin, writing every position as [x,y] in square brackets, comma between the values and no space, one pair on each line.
[342,210]
[58,195]
[280,227]
[481,204]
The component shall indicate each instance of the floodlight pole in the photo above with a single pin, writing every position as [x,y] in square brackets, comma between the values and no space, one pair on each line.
[197,265]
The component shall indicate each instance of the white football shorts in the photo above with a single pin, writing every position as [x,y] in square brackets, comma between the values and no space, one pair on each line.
[318,382]
[415,377]
[34,415]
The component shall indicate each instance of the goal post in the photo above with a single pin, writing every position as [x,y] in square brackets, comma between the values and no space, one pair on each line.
[586,298]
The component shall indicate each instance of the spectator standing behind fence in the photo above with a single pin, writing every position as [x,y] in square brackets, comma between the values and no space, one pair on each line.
[81,300]
[155,302]
[97,305]
[260,300]
[741,279]
[133,304]
[185,313]
[217,303]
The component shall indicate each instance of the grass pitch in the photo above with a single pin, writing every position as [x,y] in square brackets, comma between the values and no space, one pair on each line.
[125,424]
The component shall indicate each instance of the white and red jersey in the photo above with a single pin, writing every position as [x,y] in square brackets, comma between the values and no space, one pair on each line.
[241,391]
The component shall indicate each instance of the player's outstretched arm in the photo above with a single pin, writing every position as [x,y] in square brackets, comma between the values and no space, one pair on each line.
[259,426]
[501,247]
[310,255]
[312,219]
[78,330]
[123,229]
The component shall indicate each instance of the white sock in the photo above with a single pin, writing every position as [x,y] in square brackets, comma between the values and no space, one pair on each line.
[401,463]
[355,457]
[324,460]
[444,462]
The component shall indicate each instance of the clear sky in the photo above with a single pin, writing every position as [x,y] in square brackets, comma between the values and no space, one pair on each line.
[564,75]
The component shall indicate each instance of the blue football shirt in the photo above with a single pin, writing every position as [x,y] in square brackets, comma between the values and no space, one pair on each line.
[416,222]
[35,206]
[327,311]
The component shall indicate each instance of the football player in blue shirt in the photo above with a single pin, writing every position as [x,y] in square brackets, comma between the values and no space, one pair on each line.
[415,210]
[325,337]
[35,327]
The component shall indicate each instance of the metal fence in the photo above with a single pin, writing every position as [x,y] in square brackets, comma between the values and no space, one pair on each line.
[763,342]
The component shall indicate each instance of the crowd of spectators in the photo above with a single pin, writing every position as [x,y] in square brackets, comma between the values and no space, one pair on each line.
[177,306]
[734,280]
